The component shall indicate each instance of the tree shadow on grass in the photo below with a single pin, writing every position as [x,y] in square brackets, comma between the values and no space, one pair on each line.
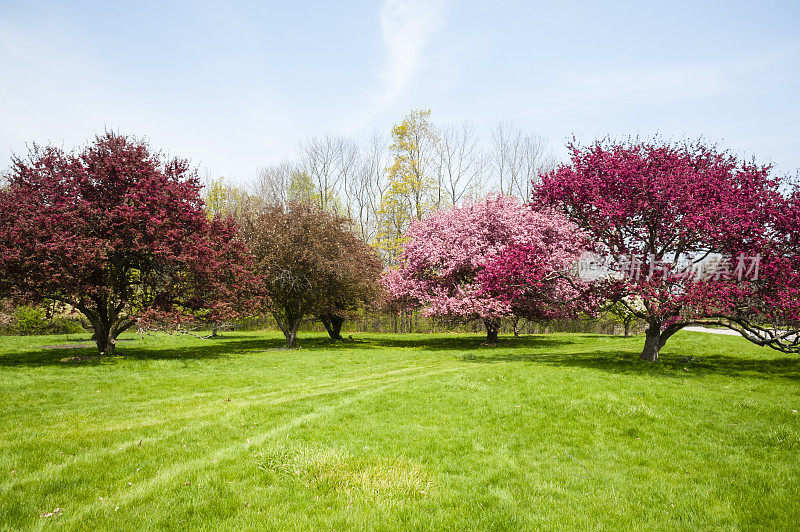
[670,364]
[474,343]
[619,355]
[85,353]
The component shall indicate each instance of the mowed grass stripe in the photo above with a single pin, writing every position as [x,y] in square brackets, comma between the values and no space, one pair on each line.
[276,358]
[253,395]
[231,410]
[168,476]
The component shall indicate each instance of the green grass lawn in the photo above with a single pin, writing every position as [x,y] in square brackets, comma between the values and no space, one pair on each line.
[389,432]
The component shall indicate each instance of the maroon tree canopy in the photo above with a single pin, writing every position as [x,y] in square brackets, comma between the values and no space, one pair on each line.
[115,232]
[693,234]
[311,265]
[766,309]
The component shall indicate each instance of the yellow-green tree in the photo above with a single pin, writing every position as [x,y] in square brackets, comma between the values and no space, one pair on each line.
[411,187]
[222,199]
[301,188]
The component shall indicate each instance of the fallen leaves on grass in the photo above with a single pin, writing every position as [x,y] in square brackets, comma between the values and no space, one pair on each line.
[80,359]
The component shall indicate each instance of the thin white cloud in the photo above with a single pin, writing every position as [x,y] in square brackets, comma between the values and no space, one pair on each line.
[407,29]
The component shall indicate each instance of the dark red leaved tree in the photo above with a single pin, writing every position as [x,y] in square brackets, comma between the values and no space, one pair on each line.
[115,232]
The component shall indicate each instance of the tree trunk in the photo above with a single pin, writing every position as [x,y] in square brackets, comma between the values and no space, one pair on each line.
[106,339]
[288,325]
[106,325]
[515,325]
[291,338]
[492,328]
[627,325]
[655,339]
[652,342]
[333,324]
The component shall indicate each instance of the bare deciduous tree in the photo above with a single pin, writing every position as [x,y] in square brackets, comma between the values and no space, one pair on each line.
[460,163]
[518,159]
[272,184]
[330,161]
[366,188]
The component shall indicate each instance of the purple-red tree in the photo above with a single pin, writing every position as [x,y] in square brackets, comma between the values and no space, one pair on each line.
[487,260]
[115,232]
[311,265]
[665,213]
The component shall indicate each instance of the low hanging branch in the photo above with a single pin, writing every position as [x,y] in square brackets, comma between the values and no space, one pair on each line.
[150,330]
[783,340]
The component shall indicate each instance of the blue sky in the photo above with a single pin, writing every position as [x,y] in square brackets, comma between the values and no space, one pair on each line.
[237,85]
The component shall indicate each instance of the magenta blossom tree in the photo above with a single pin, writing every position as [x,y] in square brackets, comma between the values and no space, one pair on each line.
[538,280]
[765,308]
[454,262]
[115,232]
[685,227]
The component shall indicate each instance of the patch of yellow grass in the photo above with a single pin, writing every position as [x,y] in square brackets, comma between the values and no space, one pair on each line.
[328,469]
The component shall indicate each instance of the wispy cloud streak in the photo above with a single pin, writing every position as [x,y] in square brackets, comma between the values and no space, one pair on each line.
[407,27]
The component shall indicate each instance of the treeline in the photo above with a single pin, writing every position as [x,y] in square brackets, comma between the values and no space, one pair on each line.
[427,229]
[378,189]
[318,230]
[383,185]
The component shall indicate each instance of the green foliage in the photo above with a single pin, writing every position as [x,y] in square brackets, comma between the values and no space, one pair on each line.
[553,432]
[29,320]
[621,314]
[222,199]
[34,320]
[301,188]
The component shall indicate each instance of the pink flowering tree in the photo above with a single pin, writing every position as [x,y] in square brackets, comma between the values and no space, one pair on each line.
[685,228]
[458,263]
[116,233]
[538,280]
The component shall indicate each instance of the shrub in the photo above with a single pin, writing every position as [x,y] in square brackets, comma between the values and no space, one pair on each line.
[33,320]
